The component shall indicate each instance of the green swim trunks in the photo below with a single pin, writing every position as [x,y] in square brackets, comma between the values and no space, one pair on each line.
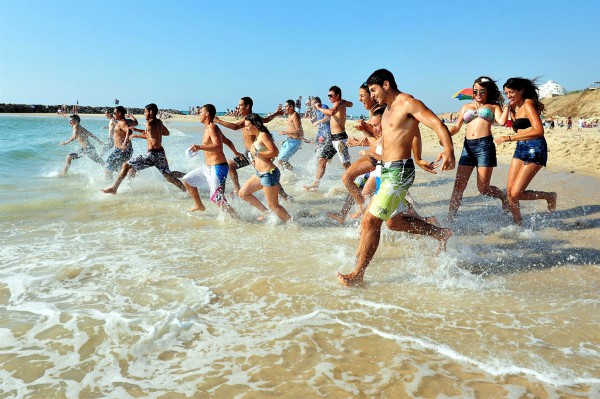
[396,179]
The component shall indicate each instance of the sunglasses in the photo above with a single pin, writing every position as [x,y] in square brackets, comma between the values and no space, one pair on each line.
[330,95]
[480,91]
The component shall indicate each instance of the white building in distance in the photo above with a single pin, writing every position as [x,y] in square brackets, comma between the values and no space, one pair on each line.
[551,89]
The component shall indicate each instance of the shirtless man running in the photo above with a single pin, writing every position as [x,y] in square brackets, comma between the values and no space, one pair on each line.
[120,134]
[400,122]
[337,112]
[155,156]
[82,135]
[295,135]
[215,172]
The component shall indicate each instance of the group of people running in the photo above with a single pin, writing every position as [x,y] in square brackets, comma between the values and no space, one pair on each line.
[384,172]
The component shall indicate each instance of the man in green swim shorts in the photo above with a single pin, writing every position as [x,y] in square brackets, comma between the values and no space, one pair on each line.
[400,123]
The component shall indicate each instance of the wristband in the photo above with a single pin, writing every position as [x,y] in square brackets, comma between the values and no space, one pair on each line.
[509,138]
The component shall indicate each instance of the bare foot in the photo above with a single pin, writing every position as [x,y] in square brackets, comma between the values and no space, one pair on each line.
[505,206]
[287,198]
[262,217]
[109,190]
[446,234]
[552,202]
[432,220]
[311,187]
[337,217]
[347,280]
[357,214]
[197,208]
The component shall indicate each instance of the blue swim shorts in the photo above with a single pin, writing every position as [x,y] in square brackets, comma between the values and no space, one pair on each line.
[289,148]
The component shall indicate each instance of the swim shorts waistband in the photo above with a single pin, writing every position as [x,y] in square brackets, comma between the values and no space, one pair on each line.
[339,136]
[398,164]
[156,150]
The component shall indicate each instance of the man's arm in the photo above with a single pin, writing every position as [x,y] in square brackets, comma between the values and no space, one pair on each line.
[417,148]
[229,125]
[269,118]
[71,139]
[329,111]
[94,137]
[164,130]
[215,142]
[131,121]
[137,136]
[429,119]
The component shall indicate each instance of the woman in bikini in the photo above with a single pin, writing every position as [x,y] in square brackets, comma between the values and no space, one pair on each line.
[479,150]
[263,151]
[531,153]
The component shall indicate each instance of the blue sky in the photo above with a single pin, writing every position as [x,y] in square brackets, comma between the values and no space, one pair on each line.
[183,53]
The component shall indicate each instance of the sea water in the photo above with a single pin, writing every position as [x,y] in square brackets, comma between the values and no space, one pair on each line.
[133,296]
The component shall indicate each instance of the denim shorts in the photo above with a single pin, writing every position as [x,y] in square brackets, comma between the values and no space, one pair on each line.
[270,178]
[532,151]
[479,152]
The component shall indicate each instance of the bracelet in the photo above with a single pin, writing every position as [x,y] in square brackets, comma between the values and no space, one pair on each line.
[509,138]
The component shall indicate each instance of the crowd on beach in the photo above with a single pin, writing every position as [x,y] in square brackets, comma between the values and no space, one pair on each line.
[378,182]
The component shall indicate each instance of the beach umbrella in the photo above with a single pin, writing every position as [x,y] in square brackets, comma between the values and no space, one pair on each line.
[464,94]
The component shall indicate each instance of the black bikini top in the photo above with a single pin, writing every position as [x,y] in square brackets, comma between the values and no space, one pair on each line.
[521,123]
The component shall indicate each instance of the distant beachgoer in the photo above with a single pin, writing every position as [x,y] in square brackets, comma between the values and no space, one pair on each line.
[242,160]
[531,153]
[153,134]
[400,122]
[569,123]
[295,135]
[82,135]
[580,124]
[121,139]
[215,172]
[479,150]
[323,143]
[338,123]
[263,151]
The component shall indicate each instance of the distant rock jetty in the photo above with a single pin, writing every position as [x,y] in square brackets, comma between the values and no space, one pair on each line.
[81,109]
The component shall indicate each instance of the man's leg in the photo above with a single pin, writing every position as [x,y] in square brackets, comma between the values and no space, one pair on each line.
[198,205]
[413,225]
[233,175]
[321,167]
[124,170]
[175,181]
[369,241]
[67,164]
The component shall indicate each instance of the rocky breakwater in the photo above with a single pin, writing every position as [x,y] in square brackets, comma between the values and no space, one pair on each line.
[81,109]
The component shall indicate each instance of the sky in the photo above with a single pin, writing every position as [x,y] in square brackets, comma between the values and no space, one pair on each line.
[182,53]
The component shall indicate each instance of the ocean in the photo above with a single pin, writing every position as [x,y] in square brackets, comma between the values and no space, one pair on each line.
[131,295]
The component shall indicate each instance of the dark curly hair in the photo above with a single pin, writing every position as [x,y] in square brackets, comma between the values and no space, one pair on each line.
[529,88]
[494,96]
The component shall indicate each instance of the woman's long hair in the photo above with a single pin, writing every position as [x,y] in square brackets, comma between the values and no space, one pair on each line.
[529,89]
[257,122]
[494,96]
